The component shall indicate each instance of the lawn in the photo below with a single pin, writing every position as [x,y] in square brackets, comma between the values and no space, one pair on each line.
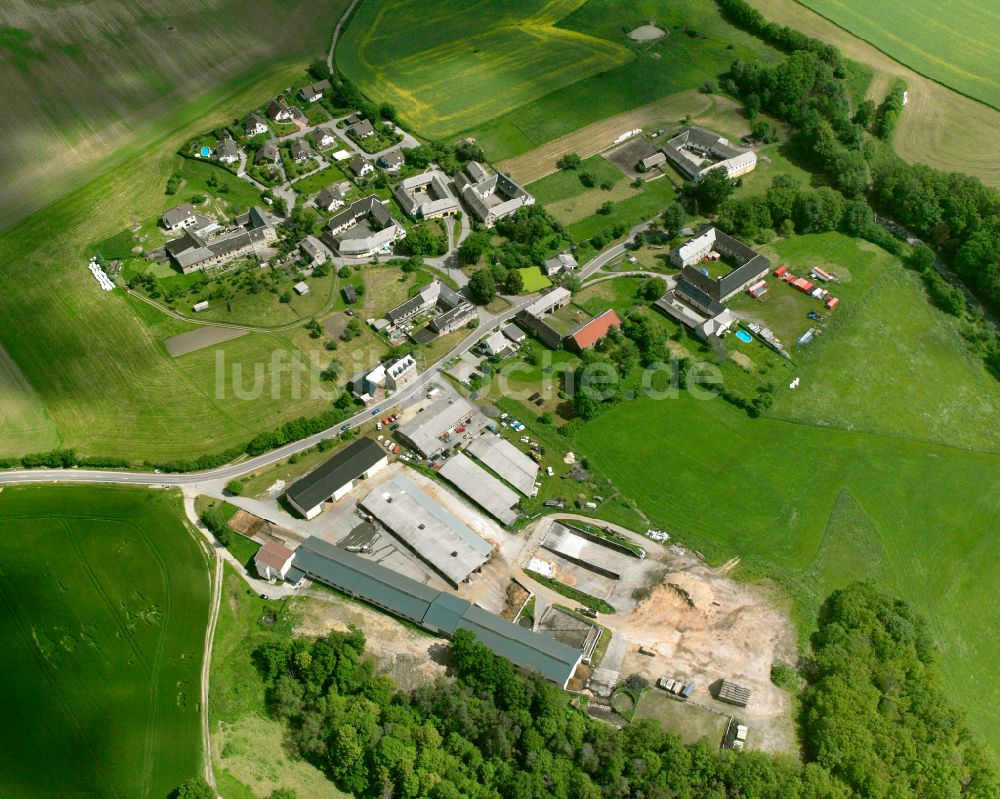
[863,475]
[534,280]
[566,184]
[949,48]
[320,180]
[105,600]
[619,294]
[691,722]
[248,752]
[113,389]
[105,78]
[638,206]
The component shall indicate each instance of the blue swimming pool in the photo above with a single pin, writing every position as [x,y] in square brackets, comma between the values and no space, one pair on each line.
[743,336]
[206,151]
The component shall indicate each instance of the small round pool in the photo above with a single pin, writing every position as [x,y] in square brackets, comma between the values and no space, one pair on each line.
[206,151]
[743,336]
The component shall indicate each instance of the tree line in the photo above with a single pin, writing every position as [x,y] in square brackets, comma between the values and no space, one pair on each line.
[875,723]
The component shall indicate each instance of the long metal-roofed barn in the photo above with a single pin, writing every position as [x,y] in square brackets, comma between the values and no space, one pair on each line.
[334,478]
[507,461]
[481,487]
[426,431]
[438,611]
[427,529]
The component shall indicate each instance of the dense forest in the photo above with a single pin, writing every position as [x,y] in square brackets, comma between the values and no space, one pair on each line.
[874,721]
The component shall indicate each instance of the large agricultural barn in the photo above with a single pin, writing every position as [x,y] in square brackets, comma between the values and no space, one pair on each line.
[481,487]
[712,245]
[696,151]
[507,461]
[427,529]
[333,479]
[428,432]
[438,611]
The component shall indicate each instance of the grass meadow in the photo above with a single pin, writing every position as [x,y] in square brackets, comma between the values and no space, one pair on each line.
[854,475]
[949,48]
[567,65]
[97,366]
[97,80]
[105,598]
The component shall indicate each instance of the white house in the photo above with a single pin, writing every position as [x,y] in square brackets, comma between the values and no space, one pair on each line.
[178,218]
[324,137]
[273,561]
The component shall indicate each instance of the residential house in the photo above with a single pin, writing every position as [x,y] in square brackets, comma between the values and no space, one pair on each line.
[314,91]
[255,125]
[563,262]
[279,110]
[490,197]
[363,229]
[313,250]
[324,137]
[300,150]
[427,195]
[361,167]
[273,561]
[362,129]
[331,198]
[392,161]
[384,378]
[496,344]
[226,151]
[183,216]
[268,154]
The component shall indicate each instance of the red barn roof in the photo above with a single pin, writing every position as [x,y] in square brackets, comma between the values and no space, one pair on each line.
[273,554]
[597,328]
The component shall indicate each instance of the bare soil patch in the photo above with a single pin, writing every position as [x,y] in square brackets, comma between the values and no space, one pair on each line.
[193,340]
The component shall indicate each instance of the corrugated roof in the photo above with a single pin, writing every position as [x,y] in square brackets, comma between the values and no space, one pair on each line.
[321,560]
[524,648]
[507,461]
[348,464]
[481,487]
[445,613]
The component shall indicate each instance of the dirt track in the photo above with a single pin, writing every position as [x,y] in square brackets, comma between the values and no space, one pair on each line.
[598,136]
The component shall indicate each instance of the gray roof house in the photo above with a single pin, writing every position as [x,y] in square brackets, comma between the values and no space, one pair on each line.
[227,151]
[300,150]
[279,110]
[312,249]
[440,612]
[201,249]
[362,129]
[331,198]
[427,195]
[747,265]
[255,125]
[564,261]
[314,91]
[324,137]
[392,161]
[361,166]
[490,197]
[363,228]
[180,217]
[268,154]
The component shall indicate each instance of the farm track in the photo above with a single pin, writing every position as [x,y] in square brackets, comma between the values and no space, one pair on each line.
[939,127]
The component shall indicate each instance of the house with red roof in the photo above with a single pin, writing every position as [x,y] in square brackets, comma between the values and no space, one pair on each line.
[273,561]
[589,333]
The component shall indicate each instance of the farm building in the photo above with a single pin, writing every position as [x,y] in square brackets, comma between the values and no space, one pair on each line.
[453,309]
[653,161]
[514,333]
[589,333]
[273,561]
[427,529]
[301,288]
[437,611]
[696,151]
[350,294]
[427,195]
[206,248]
[733,694]
[481,487]
[743,265]
[313,250]
[490,197]
[558,297]
[427,432]
[314,91]
[563,262]
[198,307]
[363,228]
[332,480]
[507,461]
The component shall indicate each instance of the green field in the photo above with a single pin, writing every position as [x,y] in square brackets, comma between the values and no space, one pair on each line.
[103,603]
[95,362]
[95,80]
[875,467]
[953,48]
[521,73]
